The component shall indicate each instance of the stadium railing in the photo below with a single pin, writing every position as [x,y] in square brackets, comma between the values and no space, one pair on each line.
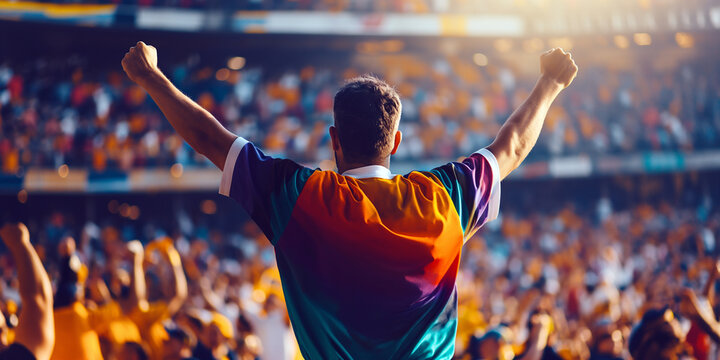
[77,180]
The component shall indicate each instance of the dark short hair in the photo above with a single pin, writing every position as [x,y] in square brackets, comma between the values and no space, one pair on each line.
[180,335]
[138,349]
[653,338]
[366,110]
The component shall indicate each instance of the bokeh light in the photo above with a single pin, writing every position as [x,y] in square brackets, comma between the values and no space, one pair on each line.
[621,41]
[22,196]
[236,63]
[222,74]
[176,170]
[684,40]
[208,207]
[480,59]
[113,206]
[63,171]
[642,39]
[503,45]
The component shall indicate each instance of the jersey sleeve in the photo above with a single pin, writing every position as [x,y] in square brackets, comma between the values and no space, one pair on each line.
[266,187]
[474,186]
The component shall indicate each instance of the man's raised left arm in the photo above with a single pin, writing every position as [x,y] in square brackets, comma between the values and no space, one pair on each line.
[194,124]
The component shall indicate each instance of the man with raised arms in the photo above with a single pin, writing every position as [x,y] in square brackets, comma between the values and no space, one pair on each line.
[368,259]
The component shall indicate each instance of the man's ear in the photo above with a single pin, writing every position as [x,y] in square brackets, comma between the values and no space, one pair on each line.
[334,138]
[398,140]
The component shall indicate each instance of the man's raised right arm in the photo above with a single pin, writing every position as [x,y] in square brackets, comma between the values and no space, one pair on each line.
[194,124]
[520,132]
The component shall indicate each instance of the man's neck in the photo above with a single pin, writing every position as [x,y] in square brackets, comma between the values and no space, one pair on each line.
[342,168]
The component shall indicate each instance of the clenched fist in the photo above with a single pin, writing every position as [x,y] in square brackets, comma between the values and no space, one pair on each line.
[558,66]
[140,61]
[135,248]
[14,234]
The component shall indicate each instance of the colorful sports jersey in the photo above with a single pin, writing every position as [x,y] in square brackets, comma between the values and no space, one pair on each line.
[367,259]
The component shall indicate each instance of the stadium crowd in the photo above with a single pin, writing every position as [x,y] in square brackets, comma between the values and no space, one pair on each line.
[592,283]
[67,112]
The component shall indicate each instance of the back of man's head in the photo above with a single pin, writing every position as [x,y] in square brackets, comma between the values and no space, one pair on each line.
[367,112]
[656,337]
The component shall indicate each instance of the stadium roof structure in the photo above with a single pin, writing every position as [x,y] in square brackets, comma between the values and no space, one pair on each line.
[572,22]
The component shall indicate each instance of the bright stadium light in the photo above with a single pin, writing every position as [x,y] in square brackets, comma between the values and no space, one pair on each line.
[715,17]
[684,40]
[642,39]
[621,41]
[480,59]
[236,63]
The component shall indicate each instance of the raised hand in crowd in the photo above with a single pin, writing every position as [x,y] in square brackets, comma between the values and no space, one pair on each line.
[34,334]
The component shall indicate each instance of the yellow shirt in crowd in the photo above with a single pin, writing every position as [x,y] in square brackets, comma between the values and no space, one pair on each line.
[150,323]
[75,338]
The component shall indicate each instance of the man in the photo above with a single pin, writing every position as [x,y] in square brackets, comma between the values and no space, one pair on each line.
[177,345]
[34,335]
[81,332]
[214,339]
[270,325]
[74,323]
[658,336]
[606,342]
[368,260]
[149,317]
[537,347]
[132,351]
[493,345]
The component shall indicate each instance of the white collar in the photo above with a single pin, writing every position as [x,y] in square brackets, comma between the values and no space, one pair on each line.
[370,171]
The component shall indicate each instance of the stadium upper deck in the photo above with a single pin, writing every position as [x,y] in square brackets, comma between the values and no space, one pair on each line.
[398,6]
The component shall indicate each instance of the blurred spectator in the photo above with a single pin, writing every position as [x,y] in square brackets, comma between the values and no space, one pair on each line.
[178,345]
[658,336]
[214,339]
